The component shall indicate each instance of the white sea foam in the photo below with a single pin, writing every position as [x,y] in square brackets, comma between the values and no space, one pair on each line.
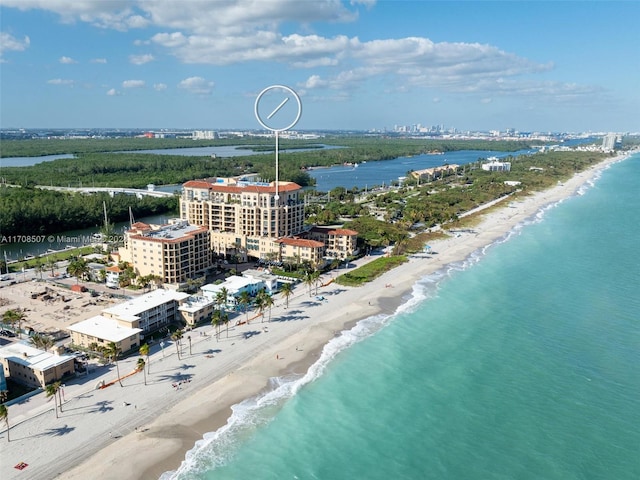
[216,448]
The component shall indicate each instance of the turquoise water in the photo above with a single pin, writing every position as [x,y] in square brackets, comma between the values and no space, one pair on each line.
[521,363]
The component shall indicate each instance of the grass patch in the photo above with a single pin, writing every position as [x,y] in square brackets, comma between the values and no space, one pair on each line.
[370,271]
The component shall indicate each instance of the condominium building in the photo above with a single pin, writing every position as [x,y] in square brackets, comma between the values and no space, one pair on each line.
[496,166]
[174,252]
[244,215]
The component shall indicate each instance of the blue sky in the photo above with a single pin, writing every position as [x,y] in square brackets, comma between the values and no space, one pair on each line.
[356,64]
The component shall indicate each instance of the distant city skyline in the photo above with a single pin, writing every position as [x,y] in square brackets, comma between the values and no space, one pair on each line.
[356,64]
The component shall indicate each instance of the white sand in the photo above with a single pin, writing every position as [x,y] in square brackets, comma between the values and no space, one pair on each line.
[96,437]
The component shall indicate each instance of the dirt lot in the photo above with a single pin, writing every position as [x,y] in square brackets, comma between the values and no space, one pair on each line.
[50,308]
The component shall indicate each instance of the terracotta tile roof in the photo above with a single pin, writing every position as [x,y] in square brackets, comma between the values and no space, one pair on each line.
[301,242]
[283,187]
[342,231]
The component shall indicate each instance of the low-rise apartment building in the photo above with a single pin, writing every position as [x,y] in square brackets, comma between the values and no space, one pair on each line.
[103,331]
[25,364]
[302,250]
[149,312]
[339,243]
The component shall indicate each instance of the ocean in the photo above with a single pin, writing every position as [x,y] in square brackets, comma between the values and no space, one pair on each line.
[523,362]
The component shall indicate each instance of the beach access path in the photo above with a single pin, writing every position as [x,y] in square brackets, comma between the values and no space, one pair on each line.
[139,431]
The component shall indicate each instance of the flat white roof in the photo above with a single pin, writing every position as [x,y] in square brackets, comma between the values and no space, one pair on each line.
[172,232]
[138,305]
[193,304]
[105,328]
[233,284]
[32,357]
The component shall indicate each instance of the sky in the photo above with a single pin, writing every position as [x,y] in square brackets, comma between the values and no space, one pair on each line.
[355,64]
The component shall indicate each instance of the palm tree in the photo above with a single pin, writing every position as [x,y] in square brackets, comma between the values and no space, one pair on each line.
[14,316]
[113,351]
[309,280]
[140,366]
[316,279]
[244,299]
[259,303]
[222,297]
[53,390]
[224,317]
[4,415]
[176,336]
[43,342]
[216,320]
[51,264]
[287,291]
[40,268]
[267,302]
[144,350]
[77,268]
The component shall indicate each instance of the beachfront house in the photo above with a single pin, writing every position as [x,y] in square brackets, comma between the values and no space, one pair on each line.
[113,276]
[30,366]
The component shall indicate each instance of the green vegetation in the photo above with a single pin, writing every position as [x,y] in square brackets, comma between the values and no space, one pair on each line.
[97,165]
[370,271]
[58,146]
[34,211]
[398,216]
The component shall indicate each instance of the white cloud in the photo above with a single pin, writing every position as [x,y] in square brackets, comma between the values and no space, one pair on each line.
[114,14]
[60,81]
[197,85]
[112,92]
[133,84]
[67,60]
[98,60]
[159,86]
[141,59]
[10,43]
[240,31]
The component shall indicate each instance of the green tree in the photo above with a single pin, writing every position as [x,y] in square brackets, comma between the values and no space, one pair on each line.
[260,305]
[14,316]
[267,302]
[176,336]
[4,415]
[221,297]
[43,342]
[287,290]
[52,265]
[77,268]
[244,299]
[53,390]
[309,280]
[144,350]
[140,366]
[216,321]
[113,352]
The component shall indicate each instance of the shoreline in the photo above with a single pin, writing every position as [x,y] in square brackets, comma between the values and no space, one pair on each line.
[166,422]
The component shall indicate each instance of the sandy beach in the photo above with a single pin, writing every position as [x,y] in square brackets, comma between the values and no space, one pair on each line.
[140,431]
